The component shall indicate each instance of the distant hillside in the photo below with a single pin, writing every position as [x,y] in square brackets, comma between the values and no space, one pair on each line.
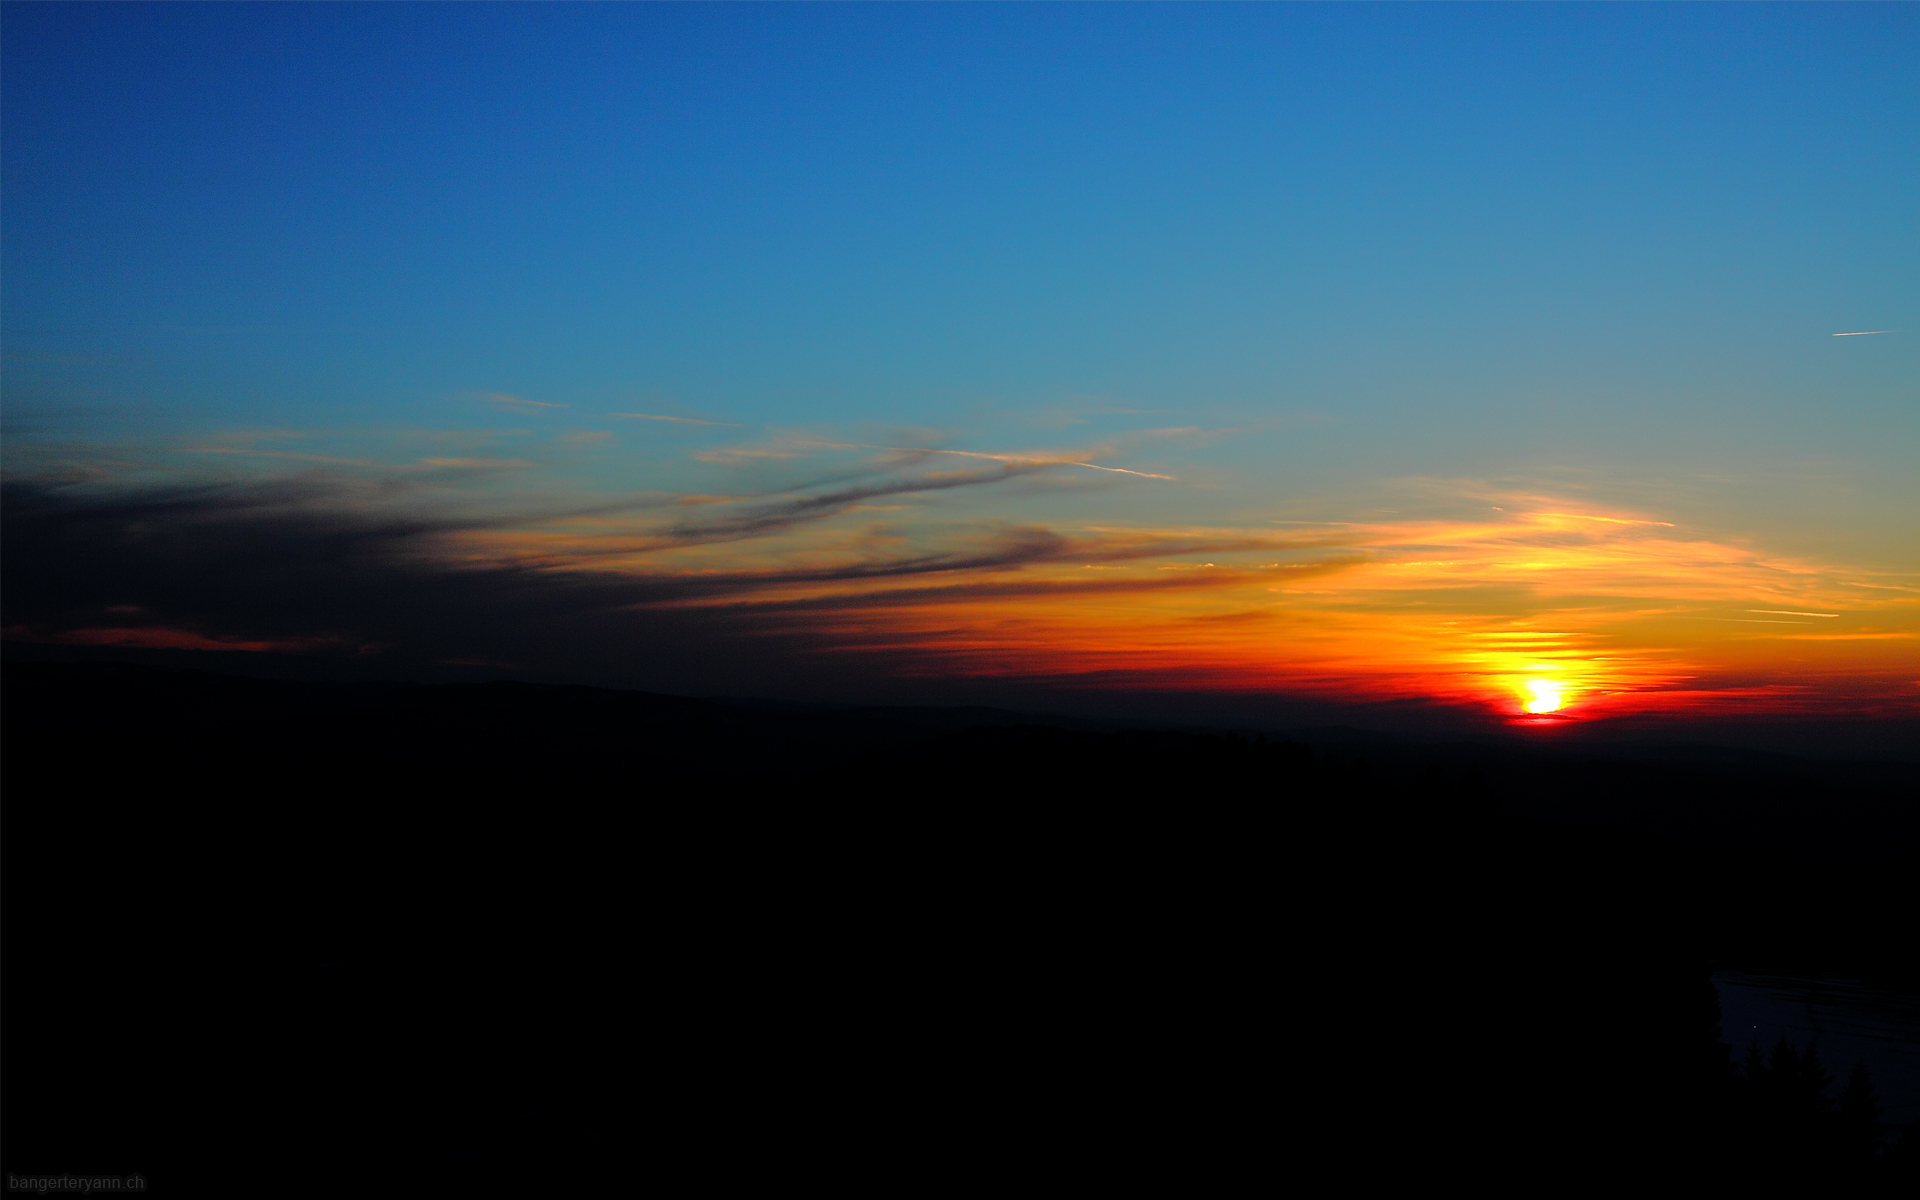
[476,927]
[117,716]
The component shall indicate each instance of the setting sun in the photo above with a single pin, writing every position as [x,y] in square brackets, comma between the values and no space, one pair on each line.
[1546,695]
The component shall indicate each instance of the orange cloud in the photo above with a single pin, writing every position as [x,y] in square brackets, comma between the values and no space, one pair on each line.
[1470,595]
[156,638]
[1619,612]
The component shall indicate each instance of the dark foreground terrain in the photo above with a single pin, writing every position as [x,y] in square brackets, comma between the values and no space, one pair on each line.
[473,935]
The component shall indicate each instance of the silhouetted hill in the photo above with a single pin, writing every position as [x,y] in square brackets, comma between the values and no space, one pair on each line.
[478,930]
[517,725]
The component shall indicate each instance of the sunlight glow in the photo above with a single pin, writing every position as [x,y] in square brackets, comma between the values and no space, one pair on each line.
[1546,695]
[1533,612]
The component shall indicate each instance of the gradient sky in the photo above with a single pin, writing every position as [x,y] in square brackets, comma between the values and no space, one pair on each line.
[1373,353]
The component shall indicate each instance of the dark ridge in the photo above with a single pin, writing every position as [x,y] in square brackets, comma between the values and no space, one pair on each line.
[462,933]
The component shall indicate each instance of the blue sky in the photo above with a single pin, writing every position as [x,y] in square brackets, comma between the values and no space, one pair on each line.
[1299,258]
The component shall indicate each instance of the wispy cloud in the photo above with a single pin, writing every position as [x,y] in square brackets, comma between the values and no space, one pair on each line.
[478,464]
[1866,332]
[1624,608]
[1120,470]
[777,516]
[251,452]
[801,505]
[1036,461]
[675,420]
[1608,520]
[162,638]
[517,403]
[737,455]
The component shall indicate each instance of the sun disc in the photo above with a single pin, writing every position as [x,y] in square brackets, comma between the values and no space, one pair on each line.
[1546,695]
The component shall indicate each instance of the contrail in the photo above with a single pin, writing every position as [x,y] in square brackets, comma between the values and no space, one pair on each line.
[1124,471]
[676,420]
[1866,333]
[1026,460]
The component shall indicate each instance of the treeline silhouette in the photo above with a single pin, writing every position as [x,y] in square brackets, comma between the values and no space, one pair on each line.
[1786,1113]
[500,932]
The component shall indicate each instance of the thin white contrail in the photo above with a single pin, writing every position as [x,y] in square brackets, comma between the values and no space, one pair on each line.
[1866,332]
[676,420]
[1030,460]
[1123,471]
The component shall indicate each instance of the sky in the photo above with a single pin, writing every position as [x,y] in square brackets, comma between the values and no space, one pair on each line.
[1477,359]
